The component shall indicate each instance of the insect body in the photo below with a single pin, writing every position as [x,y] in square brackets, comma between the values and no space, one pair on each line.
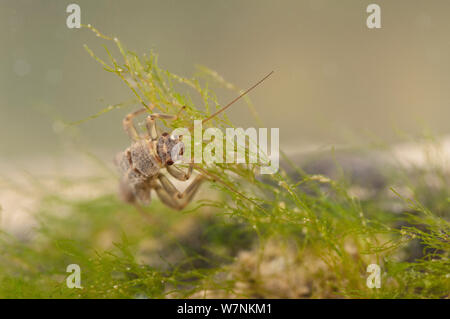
[141,164]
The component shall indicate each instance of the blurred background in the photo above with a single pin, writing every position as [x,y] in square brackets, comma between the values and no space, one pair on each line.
[337,84]
[336,81]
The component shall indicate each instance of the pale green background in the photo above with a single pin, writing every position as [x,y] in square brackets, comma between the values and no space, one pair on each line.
[335,80]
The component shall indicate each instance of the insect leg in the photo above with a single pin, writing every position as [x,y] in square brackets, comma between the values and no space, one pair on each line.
[151,128]
[151,125]
[126,193]
[166,198]
[170,196]
[166,116]
[128,124]
[143,194]
[190,191]
[179,173]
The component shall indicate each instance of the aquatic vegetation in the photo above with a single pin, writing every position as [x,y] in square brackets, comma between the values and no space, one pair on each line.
[285,235]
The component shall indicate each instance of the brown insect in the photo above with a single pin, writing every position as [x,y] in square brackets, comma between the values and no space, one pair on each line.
[141,164]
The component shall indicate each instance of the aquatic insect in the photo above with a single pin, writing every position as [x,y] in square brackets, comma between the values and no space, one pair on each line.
[141,164]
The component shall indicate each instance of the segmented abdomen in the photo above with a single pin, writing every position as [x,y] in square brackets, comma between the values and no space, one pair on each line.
[137,165]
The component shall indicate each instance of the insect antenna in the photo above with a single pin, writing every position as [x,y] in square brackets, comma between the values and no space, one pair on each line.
[235,100]
[215,177]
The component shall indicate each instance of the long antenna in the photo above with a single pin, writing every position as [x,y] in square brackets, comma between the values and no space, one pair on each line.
[237,98]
